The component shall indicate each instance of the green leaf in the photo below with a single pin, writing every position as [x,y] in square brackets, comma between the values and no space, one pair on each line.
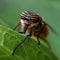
[29,50]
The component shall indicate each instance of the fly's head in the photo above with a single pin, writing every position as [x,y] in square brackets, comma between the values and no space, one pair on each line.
[30,18]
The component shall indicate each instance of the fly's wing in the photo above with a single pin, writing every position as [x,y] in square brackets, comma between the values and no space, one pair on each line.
[55,32]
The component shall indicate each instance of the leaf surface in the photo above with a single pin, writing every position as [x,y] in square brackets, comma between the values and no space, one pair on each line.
[29,50]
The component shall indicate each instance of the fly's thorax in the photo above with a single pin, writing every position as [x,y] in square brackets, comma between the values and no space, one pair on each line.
[38,31]
[34,29]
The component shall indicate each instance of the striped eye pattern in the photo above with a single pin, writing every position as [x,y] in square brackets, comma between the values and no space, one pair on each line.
[35,18]
[27,15]
[35,21]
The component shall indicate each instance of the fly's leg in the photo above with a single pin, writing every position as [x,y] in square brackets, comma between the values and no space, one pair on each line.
[46,41]
[20,43]
[26,26]
[38,40]
[17,26]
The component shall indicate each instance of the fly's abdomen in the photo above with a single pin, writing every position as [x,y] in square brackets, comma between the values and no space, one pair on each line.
[44,33]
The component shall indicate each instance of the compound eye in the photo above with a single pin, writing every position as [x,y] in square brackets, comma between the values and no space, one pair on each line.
[35,21]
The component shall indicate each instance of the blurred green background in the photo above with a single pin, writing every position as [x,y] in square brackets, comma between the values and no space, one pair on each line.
[10,11]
